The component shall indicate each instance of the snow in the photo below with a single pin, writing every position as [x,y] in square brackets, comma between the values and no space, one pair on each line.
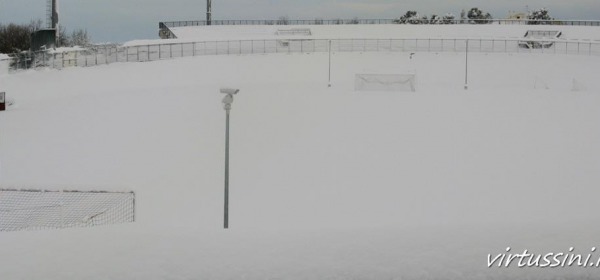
[388,31]
[380,31]
[66,49]
[326,183]
[4,64]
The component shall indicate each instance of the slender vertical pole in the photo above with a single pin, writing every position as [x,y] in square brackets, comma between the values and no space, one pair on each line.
[226,212]
[467,66]
[55,23]
[208,12]
[329,84]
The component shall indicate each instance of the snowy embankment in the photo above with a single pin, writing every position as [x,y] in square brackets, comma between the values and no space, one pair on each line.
[386,31]
[326,183]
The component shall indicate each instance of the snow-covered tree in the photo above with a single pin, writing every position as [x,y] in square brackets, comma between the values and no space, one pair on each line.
[435,19]
[478,16]
[540,16]
[411,17]
[80,37]
[448,19]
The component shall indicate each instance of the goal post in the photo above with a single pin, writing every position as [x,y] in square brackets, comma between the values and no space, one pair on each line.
[43,209]
[385,82]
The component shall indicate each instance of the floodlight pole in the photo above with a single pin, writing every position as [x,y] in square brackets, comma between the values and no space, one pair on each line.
[227,106]
[467,66]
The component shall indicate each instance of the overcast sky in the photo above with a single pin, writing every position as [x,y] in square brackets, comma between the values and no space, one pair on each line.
[123,20]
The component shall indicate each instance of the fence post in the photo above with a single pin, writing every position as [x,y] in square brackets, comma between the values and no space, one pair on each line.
[467,65]
[429,45]
[329,84]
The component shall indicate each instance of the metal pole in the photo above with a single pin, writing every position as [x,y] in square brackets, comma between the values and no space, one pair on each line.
[329,83]
[226,209]
[467,66]
[208,12]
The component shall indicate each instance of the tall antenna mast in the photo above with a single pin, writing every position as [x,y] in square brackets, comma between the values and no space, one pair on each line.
[208,12]
[53,17]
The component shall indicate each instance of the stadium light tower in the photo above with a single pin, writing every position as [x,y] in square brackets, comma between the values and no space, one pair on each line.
[208,12]
[227,100]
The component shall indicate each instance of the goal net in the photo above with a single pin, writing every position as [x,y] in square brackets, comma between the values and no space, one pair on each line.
[41,209]
[385,82]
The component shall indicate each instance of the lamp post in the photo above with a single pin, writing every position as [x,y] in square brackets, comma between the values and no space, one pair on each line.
[227,100]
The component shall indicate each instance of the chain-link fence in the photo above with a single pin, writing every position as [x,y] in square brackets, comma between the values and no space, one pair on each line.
[40,209]
[141,53]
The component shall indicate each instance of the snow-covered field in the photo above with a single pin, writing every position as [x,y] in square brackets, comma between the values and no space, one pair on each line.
[326,183]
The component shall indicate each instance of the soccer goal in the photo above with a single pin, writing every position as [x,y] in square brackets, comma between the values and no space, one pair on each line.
[42,209]
[385,82]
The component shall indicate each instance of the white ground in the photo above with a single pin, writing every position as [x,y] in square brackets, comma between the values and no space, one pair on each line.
[327,183]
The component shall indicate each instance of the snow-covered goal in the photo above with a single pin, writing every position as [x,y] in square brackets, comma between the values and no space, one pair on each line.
[41,209]
[385,82]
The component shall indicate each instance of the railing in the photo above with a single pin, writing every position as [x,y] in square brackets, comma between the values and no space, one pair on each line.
[113,54]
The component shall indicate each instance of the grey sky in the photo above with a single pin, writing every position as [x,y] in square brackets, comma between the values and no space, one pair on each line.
[123,20]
